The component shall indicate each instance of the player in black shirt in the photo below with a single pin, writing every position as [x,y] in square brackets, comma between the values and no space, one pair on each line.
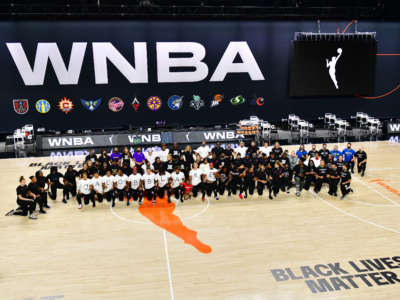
[69,183]
[158,165]
[277,150]
[321,173]
[114,167]
[25,200]
[324,153]
[276,178]
[126,157]
[310,175]
[313,151]
[340,163]
[175,151]
[286,181]
[235,180]
[54,182]
[253,148]
[299,173]
[261,178]
[228,150]
[104,157]
[42,181]
[333,179]
[345,180]
[223,177]
[91,157]
[361,156]
[249,184]
[218,150]
[34,190]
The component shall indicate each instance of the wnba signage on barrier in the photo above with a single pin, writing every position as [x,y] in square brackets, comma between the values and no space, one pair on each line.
[393,128]
[106,52]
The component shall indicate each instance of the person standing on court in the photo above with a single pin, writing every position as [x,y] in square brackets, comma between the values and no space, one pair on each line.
[139,159]
[361,157]
[24,200]
[348,155]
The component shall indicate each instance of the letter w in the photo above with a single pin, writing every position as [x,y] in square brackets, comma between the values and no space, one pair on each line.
[45,52]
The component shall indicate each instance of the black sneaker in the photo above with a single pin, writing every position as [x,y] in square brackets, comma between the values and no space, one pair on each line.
[64,201]
[94,204]
[46,206]
[42,212]
[270,197]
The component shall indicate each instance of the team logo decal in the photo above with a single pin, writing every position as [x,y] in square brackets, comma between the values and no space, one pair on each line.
[21,106]
[65,105]
[42,106]
[175,102]
[257,101]
[91,104]
[237,100]
[331,64]
[217,100]
[197,102]
[154,103]
[115,104]
[135,104]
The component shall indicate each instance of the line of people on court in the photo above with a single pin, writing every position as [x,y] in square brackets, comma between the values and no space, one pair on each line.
[188,173]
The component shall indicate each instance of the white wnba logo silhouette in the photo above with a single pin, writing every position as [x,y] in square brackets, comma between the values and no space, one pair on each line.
[332,67]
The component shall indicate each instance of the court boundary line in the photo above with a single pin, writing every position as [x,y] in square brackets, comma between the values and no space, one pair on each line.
[171,288]
[357,217]
[372,204]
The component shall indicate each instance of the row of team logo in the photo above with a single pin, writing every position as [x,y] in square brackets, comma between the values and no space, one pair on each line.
[115,104]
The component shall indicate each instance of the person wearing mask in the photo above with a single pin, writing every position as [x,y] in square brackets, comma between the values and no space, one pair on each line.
[333,179]
[348,155]
[361,157]
[299,173]
[116,155]
[69,183]
[336,153]
[34,190]
[42,182]
[324,153]
[301,152]
[54,182]
[126,157]
[25,199]
[313,151]
[345,181]
[139,159]
[175,151]
[91,156]
[108,187]
[84,191]
[217,150]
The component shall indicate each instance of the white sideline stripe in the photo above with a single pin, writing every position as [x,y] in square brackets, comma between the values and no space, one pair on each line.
[371,204]
[379,193]
[357,217]
[171,288]
[379,169]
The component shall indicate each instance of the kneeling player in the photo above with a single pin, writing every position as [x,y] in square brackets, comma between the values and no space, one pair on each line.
[345,180]
[108,187]
[149,179]
[97,184]
[135,191]
[177,178]
[121,185]
[84,191]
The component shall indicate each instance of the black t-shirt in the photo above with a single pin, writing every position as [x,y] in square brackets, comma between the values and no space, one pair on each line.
[217,150]
[249,178]
[41,180]
[158,167]
[103,171]
[261,174]
[340,165]
[361,155]
[34,188]
[312,153]
[92,158]
[324,153]
[344,176]
[252,150]
[277,151]
[169,166]
[127,171]
[104,159]
[330,163]
[300,170]
[23,191]
[175,152]
[70,176]
[54,177]
[228,152]
[126,158]
[321,171]
[333,173]
[114,169]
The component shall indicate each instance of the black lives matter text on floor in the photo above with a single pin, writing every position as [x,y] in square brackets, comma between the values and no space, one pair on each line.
[330,277]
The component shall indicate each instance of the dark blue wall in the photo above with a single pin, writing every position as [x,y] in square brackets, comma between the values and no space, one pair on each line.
[269,41]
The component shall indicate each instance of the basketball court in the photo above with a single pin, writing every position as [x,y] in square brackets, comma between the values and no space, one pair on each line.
[124,253]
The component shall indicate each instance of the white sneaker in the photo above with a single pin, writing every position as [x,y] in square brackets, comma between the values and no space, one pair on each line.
[32,216]
[80,206]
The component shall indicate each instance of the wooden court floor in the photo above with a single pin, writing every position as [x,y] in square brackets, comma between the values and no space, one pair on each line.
[310,247]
